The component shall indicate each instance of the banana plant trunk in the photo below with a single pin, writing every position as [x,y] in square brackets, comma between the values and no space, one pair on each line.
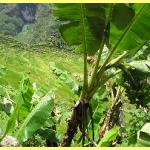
[74,122]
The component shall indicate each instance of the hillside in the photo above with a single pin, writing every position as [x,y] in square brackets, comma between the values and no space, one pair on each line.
[17,61]
[30,23]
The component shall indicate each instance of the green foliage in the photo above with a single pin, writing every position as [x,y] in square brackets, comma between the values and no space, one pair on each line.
[100,104]
[124,33]
[142,67]
[24,97]
[135,81]
[130,26]
[42,29]
[3,121]
[27,109]
[137,120]
[64,77]
[109,137]
[10,25]
[22,107]
[122,20]
[82,25]
[30,118]
[14,62]
[2,71]
[35,119]
[134,24]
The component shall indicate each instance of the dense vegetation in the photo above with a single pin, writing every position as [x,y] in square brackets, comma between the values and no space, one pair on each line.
[71,76]
[30,24]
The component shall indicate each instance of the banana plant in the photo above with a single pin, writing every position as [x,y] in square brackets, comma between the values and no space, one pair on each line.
[122,28]
[26,118]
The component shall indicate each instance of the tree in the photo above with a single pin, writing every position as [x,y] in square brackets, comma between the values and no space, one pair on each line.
[91,27]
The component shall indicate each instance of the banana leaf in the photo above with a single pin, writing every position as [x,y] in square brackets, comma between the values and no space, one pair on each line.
[35,120]
[82,25]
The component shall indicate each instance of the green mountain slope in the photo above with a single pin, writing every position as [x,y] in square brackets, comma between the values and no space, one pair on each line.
[16,60]
[30,23]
